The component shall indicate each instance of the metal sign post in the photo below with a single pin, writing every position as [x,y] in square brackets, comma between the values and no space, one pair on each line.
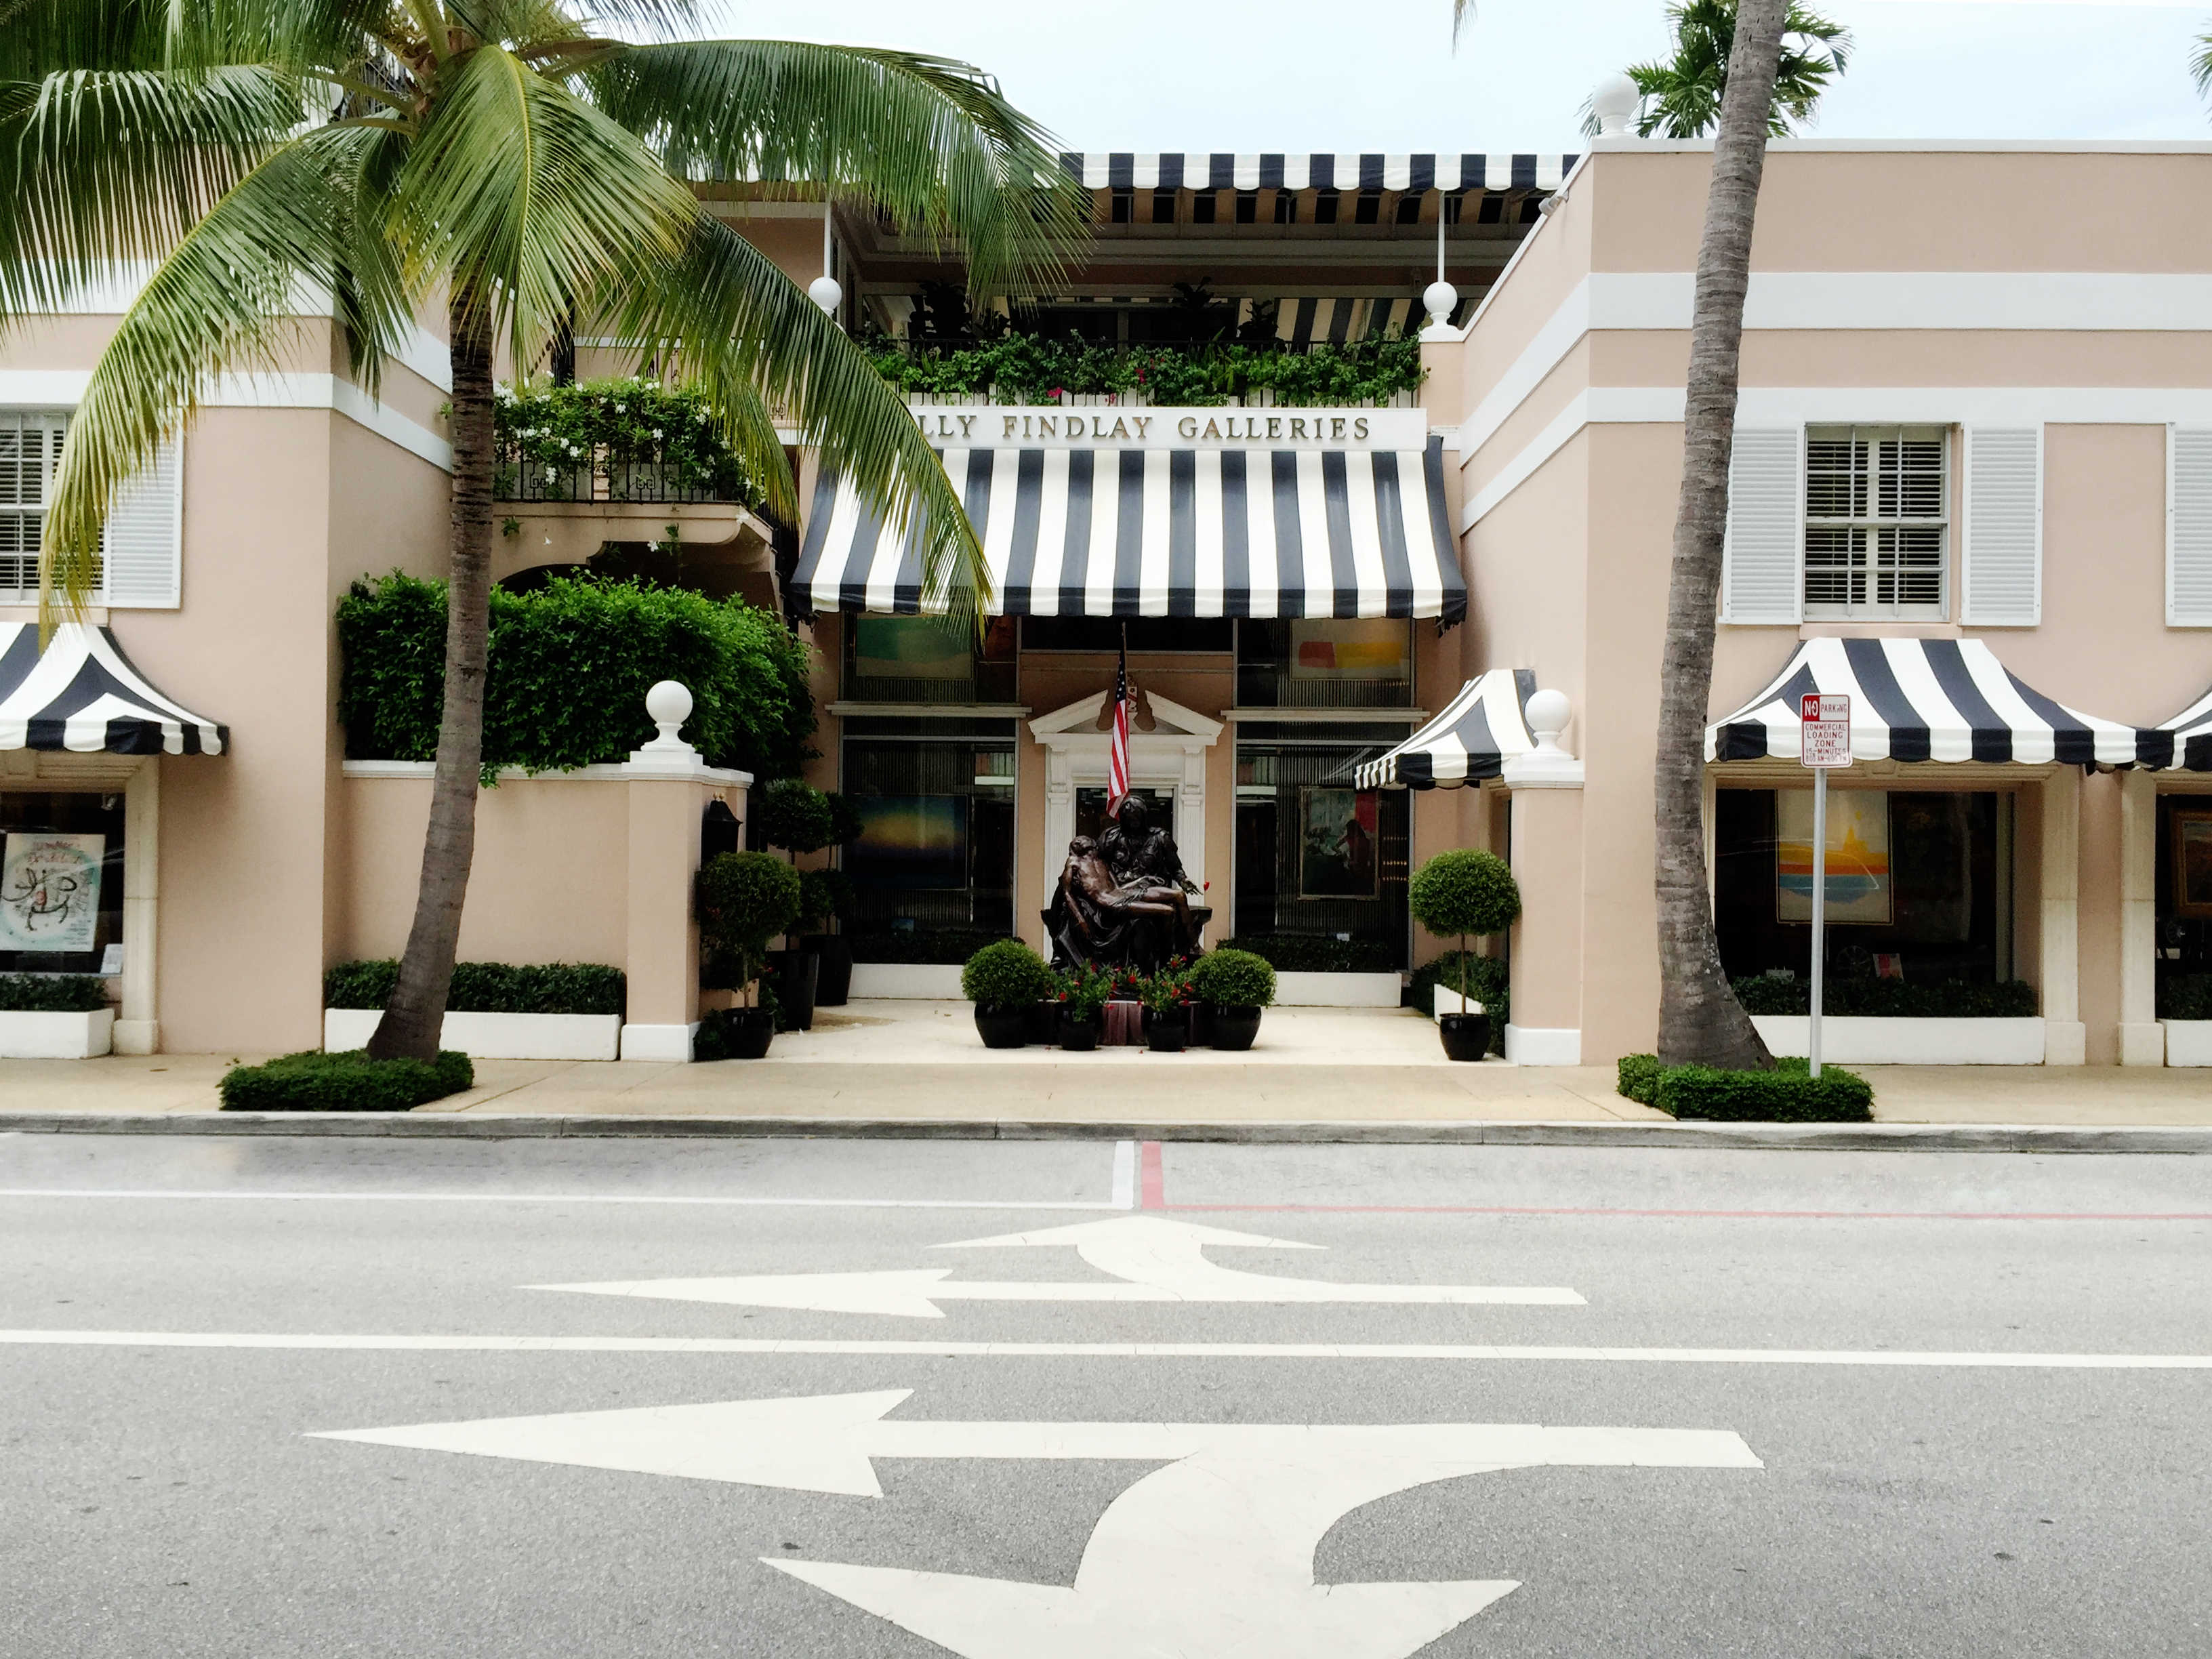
[1824,742]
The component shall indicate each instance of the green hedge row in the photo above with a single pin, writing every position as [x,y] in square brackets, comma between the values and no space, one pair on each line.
[51,993]
[348,1082]
[489,988]
[569,666]
[1787,1094]
[2185,996]
[945,946]
[1889,999]
[1309,953]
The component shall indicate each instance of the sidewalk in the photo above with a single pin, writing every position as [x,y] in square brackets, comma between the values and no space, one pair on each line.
[920,1064]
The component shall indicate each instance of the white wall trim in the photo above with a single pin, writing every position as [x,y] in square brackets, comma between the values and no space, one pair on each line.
[1543,1045]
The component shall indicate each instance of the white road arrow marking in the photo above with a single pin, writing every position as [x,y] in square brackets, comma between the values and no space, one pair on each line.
[1152,1259]
[1212,1555]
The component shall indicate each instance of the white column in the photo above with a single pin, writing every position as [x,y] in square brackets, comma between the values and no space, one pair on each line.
[138,1031]
[2142,1039]
[2065,1041]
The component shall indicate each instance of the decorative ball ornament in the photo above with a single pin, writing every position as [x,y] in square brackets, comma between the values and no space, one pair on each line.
[668,704]
[1615,103]
[1439,298]
[1547,713]
[825,293]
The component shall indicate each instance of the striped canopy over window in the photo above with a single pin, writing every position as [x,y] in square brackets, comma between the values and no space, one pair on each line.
[1277,170]
[84,695]
[1929,700]
[2186,739]
[1166,532]
[1469,741]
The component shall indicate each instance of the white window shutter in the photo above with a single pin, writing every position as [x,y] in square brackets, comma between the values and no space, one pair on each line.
[2189,527]
[2003,586]
[144,534]
[1762,568]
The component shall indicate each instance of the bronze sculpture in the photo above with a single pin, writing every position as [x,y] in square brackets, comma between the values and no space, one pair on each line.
[1123,900]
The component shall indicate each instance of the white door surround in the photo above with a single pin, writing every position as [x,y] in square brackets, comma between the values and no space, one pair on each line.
[1170,756]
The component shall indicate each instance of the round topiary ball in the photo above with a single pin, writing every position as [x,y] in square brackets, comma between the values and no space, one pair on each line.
[1006,975]
[1463,892]
[793,814]
[745,899]
[1233,978]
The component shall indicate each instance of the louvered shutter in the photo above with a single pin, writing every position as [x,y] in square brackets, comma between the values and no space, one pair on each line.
[2189,527]
[1760,570]
[2003,584]
[143,536]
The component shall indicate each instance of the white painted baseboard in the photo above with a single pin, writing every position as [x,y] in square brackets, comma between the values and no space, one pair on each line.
[2143,1042]
[2065,1042]
[660,1042]
[1543,1045]
[27,1035]
[137,1037]
[1864,1040]
[906,981]
[2188,1042]
[493,1037]
[1336,990]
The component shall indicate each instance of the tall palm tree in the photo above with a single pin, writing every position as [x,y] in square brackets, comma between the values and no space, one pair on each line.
[1700,1017]
[509,163]
[1682,95]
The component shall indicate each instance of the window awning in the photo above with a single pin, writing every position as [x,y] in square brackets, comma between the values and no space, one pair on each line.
[2186,739]
[1167,532]
[1921,700]
[1470,741]
[82,694]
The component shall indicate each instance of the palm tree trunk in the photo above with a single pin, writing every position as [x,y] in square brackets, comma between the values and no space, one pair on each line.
[1699,1018]
[417,1008]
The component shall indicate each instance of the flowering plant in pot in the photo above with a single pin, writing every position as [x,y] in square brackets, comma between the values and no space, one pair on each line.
[744,900]
[1463,892]
[1082,999]
[1167,999]
[1235,986]
[1007,982]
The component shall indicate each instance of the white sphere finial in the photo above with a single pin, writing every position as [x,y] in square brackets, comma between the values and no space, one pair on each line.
[1615,103]
[669,705]
[1439,299]
[1547,713]
[825,293]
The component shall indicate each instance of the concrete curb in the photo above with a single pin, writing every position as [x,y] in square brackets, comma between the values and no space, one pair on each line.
[1799,1137]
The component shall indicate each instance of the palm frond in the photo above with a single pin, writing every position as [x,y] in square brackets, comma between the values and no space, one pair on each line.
[2200,65]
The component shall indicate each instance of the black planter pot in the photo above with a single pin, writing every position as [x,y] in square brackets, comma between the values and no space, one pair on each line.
[796,971]
[1200,1015]
[1170,1033]
[1003,1028]
[1044,1024]
[833,986]
[1234,1028]
[1077,1036]
[749,1031]
[1467,1037]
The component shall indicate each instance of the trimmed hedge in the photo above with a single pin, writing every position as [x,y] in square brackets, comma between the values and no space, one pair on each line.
[1787,1094]
[939,946]
[1007,974]
[792,814]
[2180,996]
[350,1081]
[1889,999]
[1464,891]
[1309,953]
[489,988]
[51,993]
[1233,978]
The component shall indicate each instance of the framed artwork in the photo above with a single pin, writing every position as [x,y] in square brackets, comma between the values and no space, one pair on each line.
[1336,843]
[1860,889]
[50,891]
[2193,862]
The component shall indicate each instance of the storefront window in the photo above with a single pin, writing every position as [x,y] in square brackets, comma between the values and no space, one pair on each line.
[61,882]
[927,660]
[934,867]
[2185,906]
[1325,662]
[1315,857]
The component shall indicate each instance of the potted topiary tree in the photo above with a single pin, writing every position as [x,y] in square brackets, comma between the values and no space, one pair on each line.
[1464,892]
[797,816]
[745,899]
[1006,982]
[1235,986]
[834,984]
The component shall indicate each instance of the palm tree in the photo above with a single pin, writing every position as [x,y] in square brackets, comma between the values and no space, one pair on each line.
[1700,1017]
[2200,65]
[506,161]
[1682,96]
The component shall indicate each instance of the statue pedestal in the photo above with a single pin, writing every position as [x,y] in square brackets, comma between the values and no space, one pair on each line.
[1125,1025]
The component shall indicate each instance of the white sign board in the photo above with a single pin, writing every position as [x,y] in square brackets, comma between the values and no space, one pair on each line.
[50,891]
[1824,736]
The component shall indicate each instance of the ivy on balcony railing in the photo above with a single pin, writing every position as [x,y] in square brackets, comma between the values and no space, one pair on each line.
[613,440]
[1028,369]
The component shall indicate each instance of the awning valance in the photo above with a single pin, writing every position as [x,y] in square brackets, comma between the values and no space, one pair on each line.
[2187,738]
[82,694]
[1919,700]
[1167,532]
[1481,728]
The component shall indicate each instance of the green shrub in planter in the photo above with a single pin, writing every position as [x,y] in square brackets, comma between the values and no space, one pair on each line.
[745,899]
[2180,996]
[1233,978]
[51,993]
[1460,893]
[489,988]
[1488,981]
[1889,999]
[1007,974]
[1317,953]
[347,1082]
[792,815]
[1787,1094]
[939,946]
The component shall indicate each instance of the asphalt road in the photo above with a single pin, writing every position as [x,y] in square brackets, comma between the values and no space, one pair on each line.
[1128,1441]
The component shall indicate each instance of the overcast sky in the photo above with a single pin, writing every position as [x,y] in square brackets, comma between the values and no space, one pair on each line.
[1381,75]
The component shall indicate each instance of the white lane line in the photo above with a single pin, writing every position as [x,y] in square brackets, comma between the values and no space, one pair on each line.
[575,1198]
[1436,1351]
[1125,1175]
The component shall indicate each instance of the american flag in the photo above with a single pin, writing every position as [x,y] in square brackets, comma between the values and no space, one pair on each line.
[1117,758]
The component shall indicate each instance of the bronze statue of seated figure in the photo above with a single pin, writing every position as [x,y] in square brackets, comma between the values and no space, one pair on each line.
[1101,921]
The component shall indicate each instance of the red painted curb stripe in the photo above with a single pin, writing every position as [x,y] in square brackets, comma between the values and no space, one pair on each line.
[1151,1186]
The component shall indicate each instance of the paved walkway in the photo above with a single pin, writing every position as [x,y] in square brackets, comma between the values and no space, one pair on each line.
[922,1061]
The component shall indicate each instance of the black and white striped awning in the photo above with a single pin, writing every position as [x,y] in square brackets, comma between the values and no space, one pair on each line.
[1923,700]
[1122,169]
[82,694]
[1165,532]
[1300,319]
[1483,726]
[2186,739]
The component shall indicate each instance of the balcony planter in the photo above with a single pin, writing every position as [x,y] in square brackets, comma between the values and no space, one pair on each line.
[1465,1037]
[1233,1029]
[1003,1028]
[833,985]
[38,1035]
[491,1036]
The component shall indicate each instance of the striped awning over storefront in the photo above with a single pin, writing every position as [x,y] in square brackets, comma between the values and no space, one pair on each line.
[1928,700]
[82,694]
[1483,726]
[1119,169]
[1199,531]
[2187,739]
